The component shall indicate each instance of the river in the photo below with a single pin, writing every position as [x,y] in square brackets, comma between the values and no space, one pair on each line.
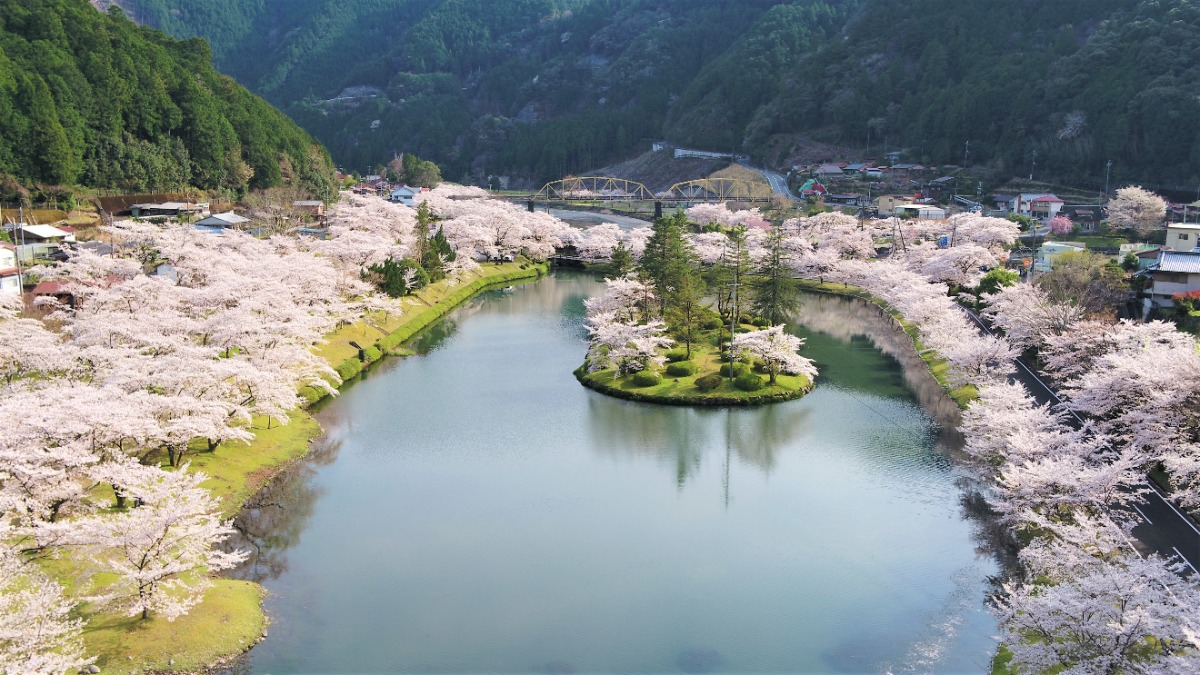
[474,509]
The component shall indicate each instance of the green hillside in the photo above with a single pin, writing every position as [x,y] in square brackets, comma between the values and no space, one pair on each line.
[542,88]
[90,98]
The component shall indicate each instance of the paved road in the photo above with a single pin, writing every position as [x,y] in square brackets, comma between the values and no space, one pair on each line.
[777,180]
[1163,529]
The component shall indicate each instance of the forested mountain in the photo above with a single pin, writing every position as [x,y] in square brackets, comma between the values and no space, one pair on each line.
[91,98]
[541,88]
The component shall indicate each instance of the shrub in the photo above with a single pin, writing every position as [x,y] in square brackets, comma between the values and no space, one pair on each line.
[738,369]
[646,378]
[762,323]
[676,355]
[748,382]
[708,382]
[681,368]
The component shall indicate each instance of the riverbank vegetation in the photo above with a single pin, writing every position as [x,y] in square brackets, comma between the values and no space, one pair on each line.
[150,398]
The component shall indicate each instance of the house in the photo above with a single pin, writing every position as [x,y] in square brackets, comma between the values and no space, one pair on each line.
[10,277]
[1086,216]
[223,220]
[1173,272]
[404,195]
[853,199]
[167,209]
[1037,205]
[856,167]
[920,211]
[826,170]
[940,186]
[1004,202]
[1148,258]
[42,234]
[873,172]
[1183,236]
[886,204]
[1044,261]
[310,207]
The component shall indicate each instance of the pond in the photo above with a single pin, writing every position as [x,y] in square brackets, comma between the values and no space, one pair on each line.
[474,509]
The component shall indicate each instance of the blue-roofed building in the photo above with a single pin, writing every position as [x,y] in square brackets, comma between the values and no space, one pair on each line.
[1175,272]
[404,195]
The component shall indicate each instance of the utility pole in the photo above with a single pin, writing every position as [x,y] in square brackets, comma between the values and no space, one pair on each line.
[967,155]
[1107,169]
[1033,167]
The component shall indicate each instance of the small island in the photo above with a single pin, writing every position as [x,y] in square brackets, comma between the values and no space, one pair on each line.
[654,339]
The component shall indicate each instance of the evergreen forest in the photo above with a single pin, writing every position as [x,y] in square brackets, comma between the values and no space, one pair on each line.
[543,88]
[91,98]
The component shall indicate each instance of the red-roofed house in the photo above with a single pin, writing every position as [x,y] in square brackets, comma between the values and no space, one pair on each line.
[1037,205]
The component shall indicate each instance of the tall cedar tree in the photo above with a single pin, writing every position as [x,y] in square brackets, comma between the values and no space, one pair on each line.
[668,258]
[774,290]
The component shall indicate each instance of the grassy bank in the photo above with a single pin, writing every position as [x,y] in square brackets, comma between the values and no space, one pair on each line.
[230,618]
[938,366]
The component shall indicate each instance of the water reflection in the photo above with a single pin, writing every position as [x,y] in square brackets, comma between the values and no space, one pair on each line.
[865,327]
[681,436]
[274,518]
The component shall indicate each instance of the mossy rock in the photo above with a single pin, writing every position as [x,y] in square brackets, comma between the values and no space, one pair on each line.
[646,378]
[748,382]
[681,368]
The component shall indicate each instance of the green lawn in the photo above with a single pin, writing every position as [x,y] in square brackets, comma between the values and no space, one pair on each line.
[227,622]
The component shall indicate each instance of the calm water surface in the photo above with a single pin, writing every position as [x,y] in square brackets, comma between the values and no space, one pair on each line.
[474,509]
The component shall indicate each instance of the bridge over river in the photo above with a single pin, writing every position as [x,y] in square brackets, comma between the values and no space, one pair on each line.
[607,189]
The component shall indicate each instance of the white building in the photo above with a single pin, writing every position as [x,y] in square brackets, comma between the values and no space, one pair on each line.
[1044,260]
[1037,205]
[920,211]
[225,220]
[1183,236]
[10,279]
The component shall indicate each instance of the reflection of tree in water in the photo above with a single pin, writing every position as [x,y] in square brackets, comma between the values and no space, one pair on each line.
[273,519]
[680,436]
[848,318]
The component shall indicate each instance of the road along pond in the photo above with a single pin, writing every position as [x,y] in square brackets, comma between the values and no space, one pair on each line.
[473,508]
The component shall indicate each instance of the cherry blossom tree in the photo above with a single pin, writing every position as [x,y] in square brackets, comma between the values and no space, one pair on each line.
[1061,225]
[1108,611]
[625,346]
[994,234]
[37,631]
[161,549]
[1136,208]
[776,350]
[1028,316]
